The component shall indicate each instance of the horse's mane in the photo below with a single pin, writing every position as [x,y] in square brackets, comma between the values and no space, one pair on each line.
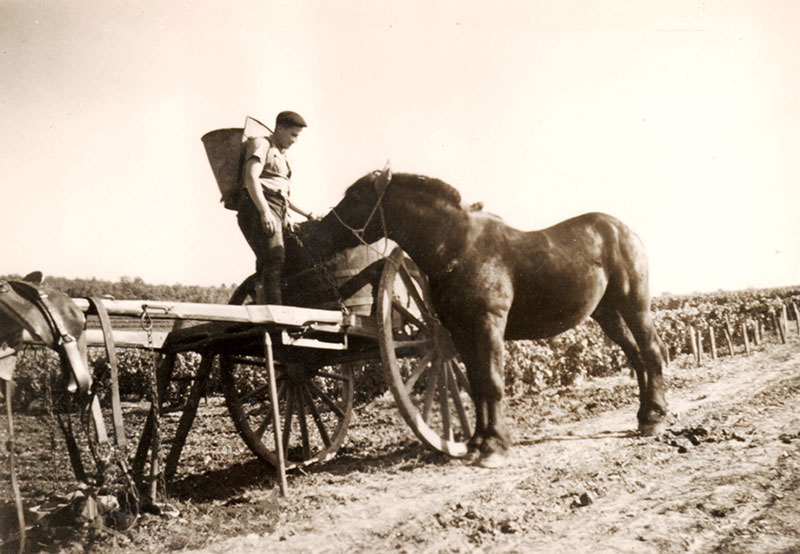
[428,186]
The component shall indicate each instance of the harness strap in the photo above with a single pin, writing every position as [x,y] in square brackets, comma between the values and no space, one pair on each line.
[111,352]
[24,313]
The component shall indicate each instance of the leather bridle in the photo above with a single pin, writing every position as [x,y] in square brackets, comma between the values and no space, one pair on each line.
[381,183]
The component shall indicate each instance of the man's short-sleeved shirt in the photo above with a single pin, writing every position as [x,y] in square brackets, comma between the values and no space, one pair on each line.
[276,173]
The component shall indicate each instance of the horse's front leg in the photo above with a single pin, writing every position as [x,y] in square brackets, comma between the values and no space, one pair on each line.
[475,443]
[489,349]
[465,344]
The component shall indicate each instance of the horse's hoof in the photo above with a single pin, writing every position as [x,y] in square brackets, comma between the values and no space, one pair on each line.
[652,429]
[492,460]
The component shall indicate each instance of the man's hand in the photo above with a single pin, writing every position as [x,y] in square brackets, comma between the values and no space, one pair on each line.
[269,222]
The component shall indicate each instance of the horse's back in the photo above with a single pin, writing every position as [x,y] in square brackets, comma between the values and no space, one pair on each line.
[563,272]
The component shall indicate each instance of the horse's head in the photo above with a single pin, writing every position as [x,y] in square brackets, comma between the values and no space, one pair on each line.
[50,317]
[381,204]
[357,217]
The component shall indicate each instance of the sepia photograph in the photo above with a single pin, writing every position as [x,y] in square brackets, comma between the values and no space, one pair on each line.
[424,276]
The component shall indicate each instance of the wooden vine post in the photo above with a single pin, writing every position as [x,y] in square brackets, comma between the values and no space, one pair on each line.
[780,325]
[757,335]
[713,341]
[746,339]
[785,321]
[699,348]
[775,325]
[693,337]
[727,331]
[796,316]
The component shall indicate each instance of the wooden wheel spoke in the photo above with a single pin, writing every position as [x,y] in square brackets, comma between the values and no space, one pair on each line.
[419,343]
[266,410]
[259,433]
[323,433]
[327,399]
[419,369]
[444,407]
[411,287]
[330,375]
[431,383]
[460,377]
[243,360]
[260,410]
[255,393]
[301,414]
[455,394]
[261,393]
[406,313]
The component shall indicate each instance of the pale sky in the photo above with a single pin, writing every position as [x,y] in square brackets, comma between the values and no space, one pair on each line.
[680,118]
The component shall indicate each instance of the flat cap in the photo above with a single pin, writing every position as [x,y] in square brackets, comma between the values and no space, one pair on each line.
[290,119]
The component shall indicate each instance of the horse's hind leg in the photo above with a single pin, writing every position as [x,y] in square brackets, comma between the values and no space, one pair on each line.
[653,410]
[614,326]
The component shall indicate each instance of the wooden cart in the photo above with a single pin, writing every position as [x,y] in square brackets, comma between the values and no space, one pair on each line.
[300,416]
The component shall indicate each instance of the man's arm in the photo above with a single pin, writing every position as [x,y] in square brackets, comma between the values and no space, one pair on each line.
[252,169]
[297,209]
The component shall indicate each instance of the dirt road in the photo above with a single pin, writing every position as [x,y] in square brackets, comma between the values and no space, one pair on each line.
[724,478]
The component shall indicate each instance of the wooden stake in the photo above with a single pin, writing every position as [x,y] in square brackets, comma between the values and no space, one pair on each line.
[746,339]
[784,322]
[779,325]
[273,395]
[727,331]
[693,336]
[699,348]
[775,324]
[713,342]
[796,316]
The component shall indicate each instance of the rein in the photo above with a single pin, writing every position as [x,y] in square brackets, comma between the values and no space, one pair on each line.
[381,183]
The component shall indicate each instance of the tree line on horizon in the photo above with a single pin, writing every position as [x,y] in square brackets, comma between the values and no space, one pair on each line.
[136,288]
[127,288]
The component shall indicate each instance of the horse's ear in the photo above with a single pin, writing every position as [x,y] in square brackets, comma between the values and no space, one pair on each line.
[34,277]
[383,178]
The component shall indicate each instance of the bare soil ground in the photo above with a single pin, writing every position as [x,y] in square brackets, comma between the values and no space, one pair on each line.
[725,477]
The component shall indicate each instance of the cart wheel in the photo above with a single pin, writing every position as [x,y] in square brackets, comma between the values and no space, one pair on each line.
[315,403]
[420,362]
[245,293]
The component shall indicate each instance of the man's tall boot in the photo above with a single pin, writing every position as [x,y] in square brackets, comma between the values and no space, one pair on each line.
[271,282]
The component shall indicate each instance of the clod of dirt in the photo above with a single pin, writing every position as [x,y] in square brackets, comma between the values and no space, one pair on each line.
[509,527]
[787,438]
[583,500]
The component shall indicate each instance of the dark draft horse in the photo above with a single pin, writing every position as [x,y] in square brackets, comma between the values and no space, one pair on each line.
[490,282]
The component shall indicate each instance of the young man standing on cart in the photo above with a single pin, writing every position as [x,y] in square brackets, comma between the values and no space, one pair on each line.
[262,207]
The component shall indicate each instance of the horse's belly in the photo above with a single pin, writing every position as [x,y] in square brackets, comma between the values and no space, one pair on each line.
[546,313]
[527,325]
